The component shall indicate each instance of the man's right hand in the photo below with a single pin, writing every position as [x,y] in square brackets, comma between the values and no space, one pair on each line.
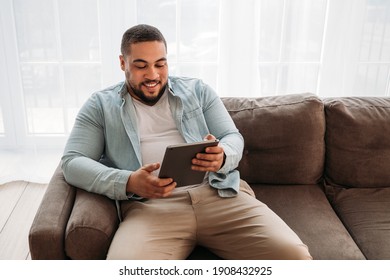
[144,183]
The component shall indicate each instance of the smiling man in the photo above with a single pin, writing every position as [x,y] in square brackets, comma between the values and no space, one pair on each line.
[116,147]
[145,77]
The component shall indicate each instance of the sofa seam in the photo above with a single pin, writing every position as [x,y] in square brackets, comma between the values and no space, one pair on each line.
[335,103]
[87,227]
[277,105]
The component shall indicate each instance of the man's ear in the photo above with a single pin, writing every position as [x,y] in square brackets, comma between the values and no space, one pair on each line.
[122,62]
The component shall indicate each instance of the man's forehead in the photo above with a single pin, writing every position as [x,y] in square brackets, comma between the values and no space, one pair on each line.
[147,48]
[140,60]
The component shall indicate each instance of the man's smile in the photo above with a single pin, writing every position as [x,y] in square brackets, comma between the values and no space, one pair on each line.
[151,85]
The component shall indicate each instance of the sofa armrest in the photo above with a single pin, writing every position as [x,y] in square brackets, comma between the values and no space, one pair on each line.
[91,226]
[47,233]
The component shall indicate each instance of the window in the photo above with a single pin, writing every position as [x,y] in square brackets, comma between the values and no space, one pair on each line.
[1,124]
[55,53]
[64,50]
[290,45]
[191,30]
[59,60]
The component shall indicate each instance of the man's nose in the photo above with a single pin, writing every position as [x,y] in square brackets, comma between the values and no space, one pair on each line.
[152,73]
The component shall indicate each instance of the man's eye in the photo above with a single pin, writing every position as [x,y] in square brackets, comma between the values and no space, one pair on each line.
[140,66]
[160,65]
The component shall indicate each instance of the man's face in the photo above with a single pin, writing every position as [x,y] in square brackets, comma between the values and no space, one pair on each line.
[146,71]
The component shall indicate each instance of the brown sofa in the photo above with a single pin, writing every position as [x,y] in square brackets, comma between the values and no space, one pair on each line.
[323,165]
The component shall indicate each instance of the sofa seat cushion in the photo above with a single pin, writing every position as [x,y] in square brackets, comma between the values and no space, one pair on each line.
[284,138]
[358,141]
[366,214]
[307,211]
[91,226]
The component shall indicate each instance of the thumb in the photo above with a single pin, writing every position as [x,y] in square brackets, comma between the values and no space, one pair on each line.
[209,137]
[151,167]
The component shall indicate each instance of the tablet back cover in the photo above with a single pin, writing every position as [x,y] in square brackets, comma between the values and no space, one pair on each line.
[177,163]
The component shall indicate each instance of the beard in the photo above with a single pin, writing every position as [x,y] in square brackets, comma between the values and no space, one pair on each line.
[147,99]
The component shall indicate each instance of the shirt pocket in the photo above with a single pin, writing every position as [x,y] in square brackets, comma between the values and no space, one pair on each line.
[195,124]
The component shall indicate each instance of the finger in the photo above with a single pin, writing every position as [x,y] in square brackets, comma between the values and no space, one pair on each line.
[207,159]
[162,182]
[206,162]
[151,167]
[215,154]
[168,189]
[209,137]
[165,191]
[212,168]
[214,150]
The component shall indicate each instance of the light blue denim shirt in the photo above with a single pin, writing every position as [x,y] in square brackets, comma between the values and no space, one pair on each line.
[103,148]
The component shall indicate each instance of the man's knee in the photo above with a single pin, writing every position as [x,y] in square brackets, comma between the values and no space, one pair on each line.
[294,252]
[117,256]
[138,255]
[150,251]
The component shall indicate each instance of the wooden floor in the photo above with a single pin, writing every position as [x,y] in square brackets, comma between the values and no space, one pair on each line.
[19,202]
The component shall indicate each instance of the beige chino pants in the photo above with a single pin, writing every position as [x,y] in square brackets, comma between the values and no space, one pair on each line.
[240,227]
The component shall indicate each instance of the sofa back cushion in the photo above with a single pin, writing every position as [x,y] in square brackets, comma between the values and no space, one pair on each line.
[358,141]
[284,138]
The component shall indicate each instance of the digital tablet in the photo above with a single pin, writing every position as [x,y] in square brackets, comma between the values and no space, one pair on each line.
[177,162]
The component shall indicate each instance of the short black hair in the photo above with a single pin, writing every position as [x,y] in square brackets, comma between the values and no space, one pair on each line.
[140,33]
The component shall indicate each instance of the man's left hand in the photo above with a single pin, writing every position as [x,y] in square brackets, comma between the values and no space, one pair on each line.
[212,160]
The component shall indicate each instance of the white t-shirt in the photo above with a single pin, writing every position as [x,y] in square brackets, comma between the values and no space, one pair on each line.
[157,129]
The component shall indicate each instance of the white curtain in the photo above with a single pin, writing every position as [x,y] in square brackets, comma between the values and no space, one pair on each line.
[55,53]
